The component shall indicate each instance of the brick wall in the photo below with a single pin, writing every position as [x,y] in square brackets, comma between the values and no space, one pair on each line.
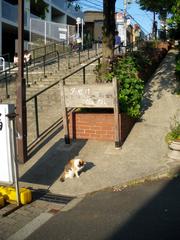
[97,126]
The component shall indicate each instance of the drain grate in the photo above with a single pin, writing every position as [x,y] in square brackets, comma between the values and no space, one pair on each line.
[56,198]
[44,195]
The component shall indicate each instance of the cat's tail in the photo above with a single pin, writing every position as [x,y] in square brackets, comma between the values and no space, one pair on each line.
[62,177]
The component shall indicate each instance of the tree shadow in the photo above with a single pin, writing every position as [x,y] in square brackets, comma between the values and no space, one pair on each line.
[49,167]
[162,80]
[158,219]
[149,211]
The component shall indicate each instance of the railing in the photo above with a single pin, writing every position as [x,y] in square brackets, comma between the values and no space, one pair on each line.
[2,63]
[34,98]
[41,51]
[55,56]
[35,101]
[44,61]
[5,77]
[6,57]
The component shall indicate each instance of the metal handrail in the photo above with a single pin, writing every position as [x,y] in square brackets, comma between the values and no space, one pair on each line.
[35,96]
[63,79]
[43,61]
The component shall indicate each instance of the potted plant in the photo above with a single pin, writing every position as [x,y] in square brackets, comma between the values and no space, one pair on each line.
[173,139]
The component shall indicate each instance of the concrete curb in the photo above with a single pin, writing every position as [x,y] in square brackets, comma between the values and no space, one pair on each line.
[168,174]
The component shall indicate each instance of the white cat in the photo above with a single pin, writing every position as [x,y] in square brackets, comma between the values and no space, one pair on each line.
[72,168]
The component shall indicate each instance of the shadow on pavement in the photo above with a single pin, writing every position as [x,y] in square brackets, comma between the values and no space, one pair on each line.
[148,211]
[163,74]
[158,219]
[49,167]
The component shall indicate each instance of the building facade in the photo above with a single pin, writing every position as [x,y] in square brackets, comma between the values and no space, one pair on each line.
[57,11]
[93,25]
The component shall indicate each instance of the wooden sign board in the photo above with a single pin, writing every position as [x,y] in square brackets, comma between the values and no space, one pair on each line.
[91,96]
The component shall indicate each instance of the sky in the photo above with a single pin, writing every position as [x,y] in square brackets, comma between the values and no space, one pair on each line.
[144,18]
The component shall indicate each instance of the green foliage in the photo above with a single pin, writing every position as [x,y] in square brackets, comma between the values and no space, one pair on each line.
[174,133]
[131,72]
[177,71]
[178,63]
[130,86]
[74,3]
[174,21]
[163,8]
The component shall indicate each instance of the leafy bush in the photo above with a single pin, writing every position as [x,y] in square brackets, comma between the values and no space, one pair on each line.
[131,72]
[174,133]
[130,86]
[178,63]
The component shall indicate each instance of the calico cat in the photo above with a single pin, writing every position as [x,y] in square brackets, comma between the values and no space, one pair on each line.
[72,168]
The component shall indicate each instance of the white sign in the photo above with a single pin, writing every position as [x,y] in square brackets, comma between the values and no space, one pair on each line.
[6,152]
[62,29]
[119,17]
[78,20]
[62,36]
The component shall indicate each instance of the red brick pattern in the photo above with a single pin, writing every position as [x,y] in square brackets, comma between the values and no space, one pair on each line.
[97,126]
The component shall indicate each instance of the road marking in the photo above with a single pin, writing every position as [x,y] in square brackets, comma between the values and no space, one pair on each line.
[29,228]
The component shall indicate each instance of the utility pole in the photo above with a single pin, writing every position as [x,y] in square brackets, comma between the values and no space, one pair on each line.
[125,22]
[21,124]
[153,26]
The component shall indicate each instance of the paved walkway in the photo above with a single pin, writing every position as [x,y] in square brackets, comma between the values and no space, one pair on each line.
[143,155]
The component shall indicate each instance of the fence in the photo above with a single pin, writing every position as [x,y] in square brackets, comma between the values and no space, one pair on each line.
[45,32]
[38,128]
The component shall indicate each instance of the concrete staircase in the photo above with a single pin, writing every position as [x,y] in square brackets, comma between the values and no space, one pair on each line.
[49,102]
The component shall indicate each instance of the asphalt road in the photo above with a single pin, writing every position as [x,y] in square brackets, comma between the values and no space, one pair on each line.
[148,211]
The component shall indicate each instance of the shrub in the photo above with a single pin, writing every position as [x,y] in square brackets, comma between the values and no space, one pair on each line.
[130,86]
[174,133]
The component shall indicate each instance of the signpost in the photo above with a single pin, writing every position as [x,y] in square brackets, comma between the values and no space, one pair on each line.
[8,161]
[91,96]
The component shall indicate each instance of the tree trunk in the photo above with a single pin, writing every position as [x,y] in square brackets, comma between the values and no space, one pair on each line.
[108,37]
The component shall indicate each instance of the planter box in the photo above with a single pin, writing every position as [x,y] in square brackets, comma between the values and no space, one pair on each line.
[98,126]
[174,150]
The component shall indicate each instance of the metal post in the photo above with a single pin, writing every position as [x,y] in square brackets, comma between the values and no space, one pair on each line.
[68,34]
[84,75]
[45,32]
[44,67]
[11,119]
[27,75]
[16,173]
[6,80]
[21,124]
[58,60]
[78,30]
[82,33]
[69,64]
[30,32]
[88,51]
[36,116]
[125,23]
[79,55]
